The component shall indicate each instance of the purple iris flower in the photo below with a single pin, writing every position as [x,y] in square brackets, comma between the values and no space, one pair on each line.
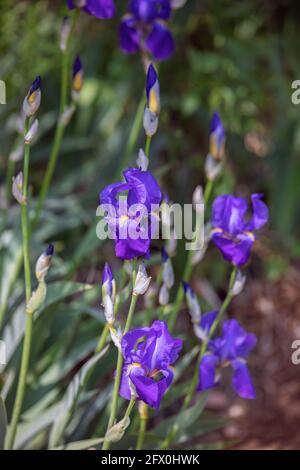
[232,232]
[216,137]
[132,219]
[232,348]
[102,9]
[148,354]
[144,28]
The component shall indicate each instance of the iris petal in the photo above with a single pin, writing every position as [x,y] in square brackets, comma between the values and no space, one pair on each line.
[160,41]
[129,35]
[207,372]
[260,213]
[241,380]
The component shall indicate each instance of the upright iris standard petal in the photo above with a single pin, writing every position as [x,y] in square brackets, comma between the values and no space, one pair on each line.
[260,213]
[143,29]
[129,35]
[148,10]
[216,137]
[160,41]
[232,233]
[101,9]
[148,354]
[232,348]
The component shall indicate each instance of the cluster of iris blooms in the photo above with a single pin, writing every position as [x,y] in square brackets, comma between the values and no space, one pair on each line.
[147,353]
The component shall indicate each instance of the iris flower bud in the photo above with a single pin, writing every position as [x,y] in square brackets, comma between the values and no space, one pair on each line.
[168,273]
[65,33]
[17,188]
[108,293]
[142,161]
[192,303]
[197,197]
[116,432]
[41,269]
[216,137]
[32,100]
[152,108]
[212,168]
[238,284]
[142,281]
[116,337]
[164,295]
[77,78]
[17,153]
[66,116]
[32,132]
[43,264]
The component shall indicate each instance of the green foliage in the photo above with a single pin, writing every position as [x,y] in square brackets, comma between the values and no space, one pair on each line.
[229,58]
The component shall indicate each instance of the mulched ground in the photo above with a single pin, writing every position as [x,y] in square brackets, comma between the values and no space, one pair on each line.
[272,421]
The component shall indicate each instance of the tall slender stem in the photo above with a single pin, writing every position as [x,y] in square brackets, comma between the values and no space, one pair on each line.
[60,126]
[147,146]
[114,404]
[28,328]
[143,412]
[188,267]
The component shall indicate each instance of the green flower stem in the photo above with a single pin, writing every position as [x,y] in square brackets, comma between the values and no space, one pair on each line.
[194,380]
[129,407]
[29,320]
[147,146]
[188,268]
[142,432]
[133,136]
[60,127]
[114,405]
